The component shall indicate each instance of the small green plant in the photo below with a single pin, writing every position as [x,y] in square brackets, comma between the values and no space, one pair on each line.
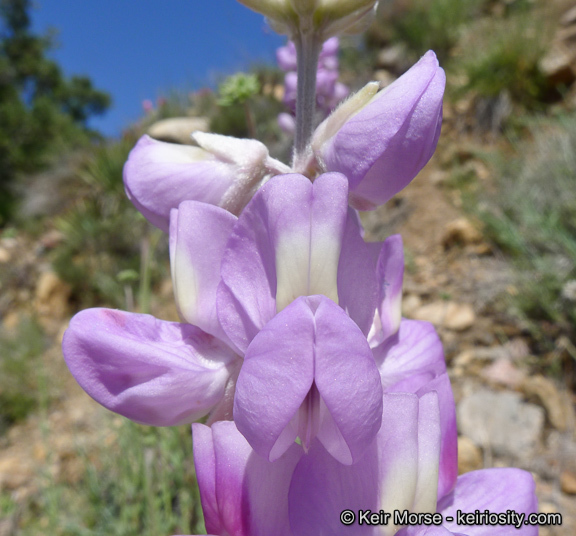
[141,482]
[246,106]
[237,91]
[533,219]
[105,235]
[238,88]
[506,56]
[433,24]
[20,377]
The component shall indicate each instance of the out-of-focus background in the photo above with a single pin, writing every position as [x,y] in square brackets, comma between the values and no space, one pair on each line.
[489,229]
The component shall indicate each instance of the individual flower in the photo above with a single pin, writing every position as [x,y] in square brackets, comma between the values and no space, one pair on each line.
[242,493]
[381,140]
[222,171]
[295,238]
[157,372]
[409,354]
[314,369]
[303,494]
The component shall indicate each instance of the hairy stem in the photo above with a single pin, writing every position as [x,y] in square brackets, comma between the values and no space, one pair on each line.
[308,48]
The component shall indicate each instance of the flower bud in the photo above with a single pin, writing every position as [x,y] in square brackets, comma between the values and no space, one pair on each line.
[326,18]
[222,171]
[381,141]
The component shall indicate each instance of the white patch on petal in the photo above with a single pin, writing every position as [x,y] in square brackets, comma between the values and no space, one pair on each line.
[305,266]
[429,438]
[324,258]
[398,488]
[292,267]
[186,286]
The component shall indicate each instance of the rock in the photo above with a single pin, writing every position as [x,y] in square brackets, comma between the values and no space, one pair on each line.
[475,359]
[51,239]
[439,177]
[569,290]
[517,349]
[8,242]
[11,320]
[410,303]
[459,316]
[4,255]
[503,372]
[178,129]
[469,456]
[384,77]
[568,483]
[431,312]
[548,396]
[547,508]
[460,232]
[556,65]
[569,17]
[392,58]
[15,471]
[501,422]
[448,314]
[8,525]
[465,358]
[51,296]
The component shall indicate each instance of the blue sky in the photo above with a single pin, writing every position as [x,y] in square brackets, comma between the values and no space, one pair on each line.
[140,49]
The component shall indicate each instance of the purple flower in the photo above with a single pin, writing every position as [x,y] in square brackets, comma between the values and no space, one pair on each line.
[380,141]
[304,494]
[329,92]
[313,368]
[287,123]
[157,372]
[222,171]
[271,292]
[295,238]
[328,60]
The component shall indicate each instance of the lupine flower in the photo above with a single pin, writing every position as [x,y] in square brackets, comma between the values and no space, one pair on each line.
[313,367]
[303,494]
[222,171]
[329,92]
[156,372]
[380,141]
[270,294]
[236,282]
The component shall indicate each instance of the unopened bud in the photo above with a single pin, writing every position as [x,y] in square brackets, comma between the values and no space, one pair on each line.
[222,171]
[325,18]
[381,141]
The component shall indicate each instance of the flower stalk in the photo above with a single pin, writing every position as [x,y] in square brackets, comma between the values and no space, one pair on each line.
[308,48]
